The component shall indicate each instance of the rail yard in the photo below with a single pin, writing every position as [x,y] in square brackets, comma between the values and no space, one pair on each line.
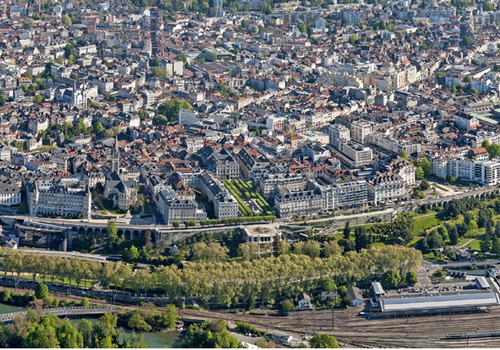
[353,328]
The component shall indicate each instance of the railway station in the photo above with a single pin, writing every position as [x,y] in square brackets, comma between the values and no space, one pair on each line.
[432,303]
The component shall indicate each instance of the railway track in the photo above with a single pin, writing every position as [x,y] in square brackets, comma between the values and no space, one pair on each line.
[356,331]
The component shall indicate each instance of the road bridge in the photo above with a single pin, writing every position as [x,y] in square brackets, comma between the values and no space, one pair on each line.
[63,311]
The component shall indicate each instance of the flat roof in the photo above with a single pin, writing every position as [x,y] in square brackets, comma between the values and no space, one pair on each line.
[439,302]
[377,288]
[483,283]
[484,118]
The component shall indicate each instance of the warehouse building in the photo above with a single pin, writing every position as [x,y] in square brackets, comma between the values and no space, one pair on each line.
[433,302]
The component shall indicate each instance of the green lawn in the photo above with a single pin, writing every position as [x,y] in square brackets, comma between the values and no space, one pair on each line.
[474,245]
[431,257]
[413,241]
[461,241]
[147,210]
[420,224]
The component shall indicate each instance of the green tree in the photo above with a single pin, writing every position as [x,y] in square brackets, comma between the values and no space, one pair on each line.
[472,228]
[287,306]
[302,27]
[424,185]
[467,41]
[411,278]
[66,20]
[454,236]
[98,128]
[3,99]
[41,291]
[39,99]
[175,224]
[182,57]
[451,179]
[419,173]
[170,108]
[131,253]
[248,251]
[112,230]
[160,72]
[443,232]
[473,91]
[390,279]
[403,155]
[426,167]
[85,302]
[136,321]
[29,23]
[324,341]
[108,322]
[347,230]
[434,240]
[468,80]
[41,336]
[69,337]
[453,90]
[488,6]
[495,245]
[353,39]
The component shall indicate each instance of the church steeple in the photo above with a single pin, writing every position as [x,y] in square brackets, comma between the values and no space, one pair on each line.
[115,161]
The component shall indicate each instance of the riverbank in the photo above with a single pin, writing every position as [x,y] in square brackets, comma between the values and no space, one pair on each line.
[163,339]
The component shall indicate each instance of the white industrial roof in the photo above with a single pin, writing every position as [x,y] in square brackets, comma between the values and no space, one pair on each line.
[439,302]
[482,282]
[377,288]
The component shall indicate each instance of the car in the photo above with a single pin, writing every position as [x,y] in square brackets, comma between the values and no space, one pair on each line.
[84,293]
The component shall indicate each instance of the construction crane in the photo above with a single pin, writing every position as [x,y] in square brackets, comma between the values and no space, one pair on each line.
[185,190]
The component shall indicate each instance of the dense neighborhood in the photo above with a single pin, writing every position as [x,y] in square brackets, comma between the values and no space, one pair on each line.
[258,174]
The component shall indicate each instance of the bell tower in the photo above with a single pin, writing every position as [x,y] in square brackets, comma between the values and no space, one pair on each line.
[115,160]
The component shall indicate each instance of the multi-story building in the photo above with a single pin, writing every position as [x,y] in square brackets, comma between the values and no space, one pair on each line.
[289,203]
[483,172]
[351,194]
[174,208]
[10,193]
[222,164]
[403,168]
[336,133]
[393,145]
[466,122]
[320,198]
[37,125]
[360,132]
[440,167]
[267,183]
[225,205]
[386,187]
[62,198]
[354,155]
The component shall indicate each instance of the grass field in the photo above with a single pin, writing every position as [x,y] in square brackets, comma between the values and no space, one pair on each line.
[474,245]
[413,241]
[422,223]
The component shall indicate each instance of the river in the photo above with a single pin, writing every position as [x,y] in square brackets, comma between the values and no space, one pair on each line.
[169,339]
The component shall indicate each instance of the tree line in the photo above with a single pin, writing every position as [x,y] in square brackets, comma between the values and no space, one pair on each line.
[226,282]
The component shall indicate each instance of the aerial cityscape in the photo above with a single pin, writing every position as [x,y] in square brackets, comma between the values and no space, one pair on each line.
[249,174]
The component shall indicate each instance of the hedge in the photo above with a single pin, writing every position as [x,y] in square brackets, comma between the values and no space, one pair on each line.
[241,219]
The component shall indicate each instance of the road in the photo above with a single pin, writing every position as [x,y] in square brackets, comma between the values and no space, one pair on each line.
[92,257]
